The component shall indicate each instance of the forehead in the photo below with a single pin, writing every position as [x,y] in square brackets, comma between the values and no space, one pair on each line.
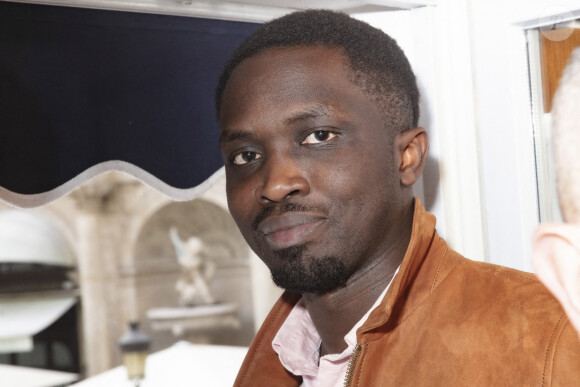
[277,61]
[282,79]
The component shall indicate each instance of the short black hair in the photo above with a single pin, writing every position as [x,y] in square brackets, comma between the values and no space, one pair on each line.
[378,64]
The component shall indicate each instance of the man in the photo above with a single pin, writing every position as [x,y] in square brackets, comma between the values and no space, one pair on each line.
[319,115]
[556,255]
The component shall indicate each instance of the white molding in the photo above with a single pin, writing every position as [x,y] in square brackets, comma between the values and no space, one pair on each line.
[523,89]
[203,9]
[258,11]
[549,16]
[537,113]
[401,4]
[341,4]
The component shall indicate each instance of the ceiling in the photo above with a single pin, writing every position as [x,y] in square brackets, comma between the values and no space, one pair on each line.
[376,5]
[242,10]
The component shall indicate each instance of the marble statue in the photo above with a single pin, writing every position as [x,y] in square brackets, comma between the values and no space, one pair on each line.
[197,271]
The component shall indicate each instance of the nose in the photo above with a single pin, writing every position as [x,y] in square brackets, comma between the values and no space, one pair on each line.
[283,179]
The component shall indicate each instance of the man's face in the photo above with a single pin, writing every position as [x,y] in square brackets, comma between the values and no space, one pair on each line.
[312,173]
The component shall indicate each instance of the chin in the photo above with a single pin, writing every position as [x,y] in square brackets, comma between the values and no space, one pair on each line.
[318,276]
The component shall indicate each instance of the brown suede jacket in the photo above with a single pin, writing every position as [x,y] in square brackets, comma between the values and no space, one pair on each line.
[445,321]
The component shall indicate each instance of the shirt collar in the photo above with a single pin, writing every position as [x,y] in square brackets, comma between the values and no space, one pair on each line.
[297,343]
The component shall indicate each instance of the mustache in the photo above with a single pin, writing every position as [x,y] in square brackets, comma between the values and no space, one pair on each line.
[281,208]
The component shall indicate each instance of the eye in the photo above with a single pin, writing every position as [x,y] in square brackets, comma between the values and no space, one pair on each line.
[318,137]
[245,157]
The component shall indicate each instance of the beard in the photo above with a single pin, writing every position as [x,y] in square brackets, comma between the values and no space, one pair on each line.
[300,273]
[295,270]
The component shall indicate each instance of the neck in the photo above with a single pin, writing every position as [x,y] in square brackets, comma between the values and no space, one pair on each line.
[335,313]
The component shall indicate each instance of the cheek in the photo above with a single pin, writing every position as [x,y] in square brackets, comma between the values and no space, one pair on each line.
[239,201]
[365,191]
[359,178]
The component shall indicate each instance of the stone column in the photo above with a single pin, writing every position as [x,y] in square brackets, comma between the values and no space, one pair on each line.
[103,222]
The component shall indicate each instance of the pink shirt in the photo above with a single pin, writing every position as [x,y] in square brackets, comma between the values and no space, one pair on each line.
[297,344]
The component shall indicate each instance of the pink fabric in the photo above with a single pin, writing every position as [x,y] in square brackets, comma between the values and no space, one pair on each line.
[297,344]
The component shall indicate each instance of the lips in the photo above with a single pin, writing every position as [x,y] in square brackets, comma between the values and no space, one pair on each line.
[291,229]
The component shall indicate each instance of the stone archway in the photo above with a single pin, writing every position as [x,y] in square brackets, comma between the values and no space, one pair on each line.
[157,268]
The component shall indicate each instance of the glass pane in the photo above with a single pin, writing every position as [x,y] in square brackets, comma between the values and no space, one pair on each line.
[549,48]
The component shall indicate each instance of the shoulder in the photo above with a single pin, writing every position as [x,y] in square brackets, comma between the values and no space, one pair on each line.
[459,265]
[526,304]
[500,278]
[498,286]
[448,279]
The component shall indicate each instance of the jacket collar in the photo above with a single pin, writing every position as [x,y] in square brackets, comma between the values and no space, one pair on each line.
[399,297]
[262,366]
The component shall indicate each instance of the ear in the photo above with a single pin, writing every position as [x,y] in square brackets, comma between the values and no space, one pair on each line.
[556,260]
[412,146]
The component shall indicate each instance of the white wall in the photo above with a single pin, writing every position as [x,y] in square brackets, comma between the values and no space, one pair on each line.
[504,124]
[471,61]
[439,52]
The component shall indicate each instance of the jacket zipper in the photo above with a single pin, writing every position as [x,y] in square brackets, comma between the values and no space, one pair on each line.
[351,364]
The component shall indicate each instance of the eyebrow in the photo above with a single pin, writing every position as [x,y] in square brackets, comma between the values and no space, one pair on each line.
[233,136]
[307,113]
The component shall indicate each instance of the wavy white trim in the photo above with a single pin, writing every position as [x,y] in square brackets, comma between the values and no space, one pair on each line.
[40,199]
